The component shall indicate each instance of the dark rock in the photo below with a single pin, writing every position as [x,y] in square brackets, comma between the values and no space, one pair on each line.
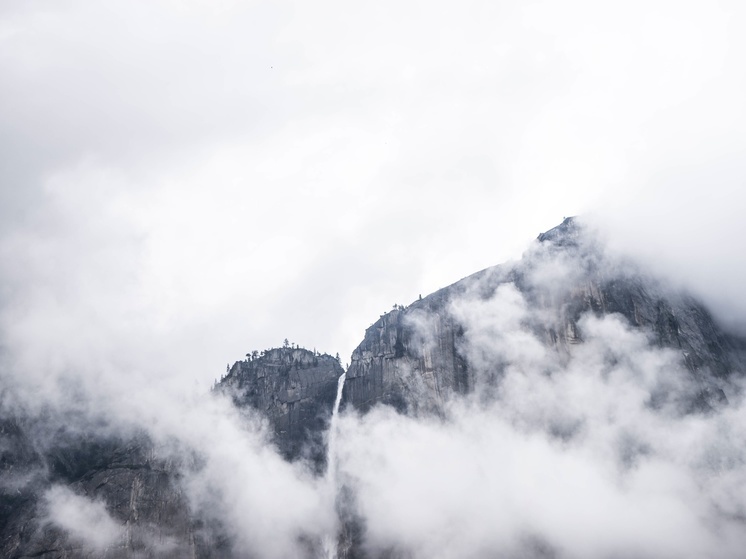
[139,489]
[137,482]
[413,359]
[295,389]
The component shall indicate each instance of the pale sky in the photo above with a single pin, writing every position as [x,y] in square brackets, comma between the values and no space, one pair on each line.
[183,182]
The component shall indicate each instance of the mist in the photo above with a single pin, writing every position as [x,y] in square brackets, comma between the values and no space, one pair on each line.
[181,183]
[593,452]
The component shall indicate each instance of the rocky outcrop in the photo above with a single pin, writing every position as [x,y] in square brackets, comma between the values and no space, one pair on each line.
[295,389]
[418,358]
[138,484]
[138,489]
[414,359]
[408,359]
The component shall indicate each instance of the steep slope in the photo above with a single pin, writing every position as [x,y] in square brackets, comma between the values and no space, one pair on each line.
[53,466]
[416,358]
[568,345]
[292,387]
[121,481]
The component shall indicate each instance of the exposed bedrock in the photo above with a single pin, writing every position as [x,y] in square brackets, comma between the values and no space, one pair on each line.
[294,389]
[414,358]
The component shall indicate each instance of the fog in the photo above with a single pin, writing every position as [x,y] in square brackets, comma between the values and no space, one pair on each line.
[88,522]
[183,182]
[590,454]
[291,170]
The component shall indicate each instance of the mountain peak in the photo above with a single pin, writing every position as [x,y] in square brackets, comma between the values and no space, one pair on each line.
[294,388]
[566,233]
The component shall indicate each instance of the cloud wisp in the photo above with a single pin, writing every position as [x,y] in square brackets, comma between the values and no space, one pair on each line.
[88,522]
[183,182]
[584,449]
[593,453]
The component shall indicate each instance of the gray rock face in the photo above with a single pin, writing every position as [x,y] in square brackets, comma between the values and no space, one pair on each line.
[137,485]
[138,490]
[414,359]
[418,358]
[295,389]
[408,359]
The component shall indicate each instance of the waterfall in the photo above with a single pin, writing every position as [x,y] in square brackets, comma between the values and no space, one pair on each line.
[331,456]
[330,540]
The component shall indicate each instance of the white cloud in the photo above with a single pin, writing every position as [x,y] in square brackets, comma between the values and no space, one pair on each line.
[184,182]
[566,457]
[348,154]
[84,520]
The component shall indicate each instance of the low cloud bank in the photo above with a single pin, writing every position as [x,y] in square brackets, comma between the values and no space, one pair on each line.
[586,455]
[587,451]
[86,521]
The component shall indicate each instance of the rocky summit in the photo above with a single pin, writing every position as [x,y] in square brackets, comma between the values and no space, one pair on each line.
[294,389]
[416,359]
[413,358]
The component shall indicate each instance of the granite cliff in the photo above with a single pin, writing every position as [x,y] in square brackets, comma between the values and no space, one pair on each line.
[416,359]
[294,389]
[138,488]
[138,482]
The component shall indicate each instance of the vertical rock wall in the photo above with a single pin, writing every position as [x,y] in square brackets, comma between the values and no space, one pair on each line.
[294,389]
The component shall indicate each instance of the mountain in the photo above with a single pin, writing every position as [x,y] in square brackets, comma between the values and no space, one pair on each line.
[414,358]
[73,487]
[140,483]
[140,491]
[292,387]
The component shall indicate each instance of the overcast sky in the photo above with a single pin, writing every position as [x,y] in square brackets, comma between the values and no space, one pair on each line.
[183,181]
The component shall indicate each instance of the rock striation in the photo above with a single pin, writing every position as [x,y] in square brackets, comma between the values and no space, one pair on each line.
[139,484]
[414,358]
[138,489]
[294,389]
[418,358]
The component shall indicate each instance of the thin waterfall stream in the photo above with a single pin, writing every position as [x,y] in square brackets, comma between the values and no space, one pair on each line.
[330,540]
